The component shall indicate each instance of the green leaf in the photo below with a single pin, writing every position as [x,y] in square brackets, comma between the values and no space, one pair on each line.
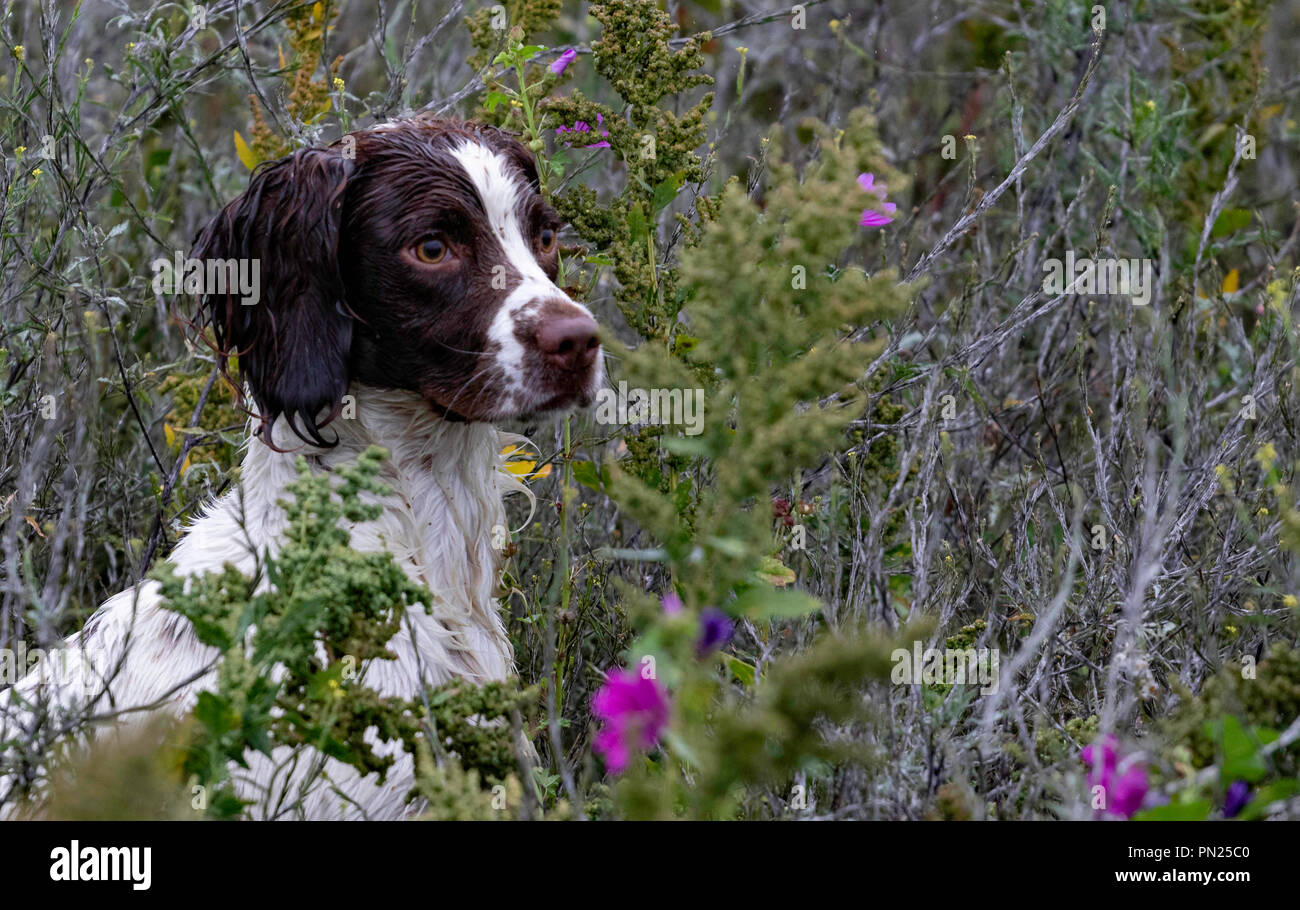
[636,222]
[761,602]
[1196,810]
[744,673]
[1230,221]
[1241,758]
[666,191]
[729,546]
[692,446]
[586,473]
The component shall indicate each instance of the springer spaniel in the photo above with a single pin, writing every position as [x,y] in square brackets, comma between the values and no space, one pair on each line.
[411,266]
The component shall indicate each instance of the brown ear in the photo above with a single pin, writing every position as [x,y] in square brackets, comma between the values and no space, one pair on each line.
[293,343]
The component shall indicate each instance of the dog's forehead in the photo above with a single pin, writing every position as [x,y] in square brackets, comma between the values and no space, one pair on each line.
[497,180]
[494,165]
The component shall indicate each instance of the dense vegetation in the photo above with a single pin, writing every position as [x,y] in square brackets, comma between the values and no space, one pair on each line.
[837,225]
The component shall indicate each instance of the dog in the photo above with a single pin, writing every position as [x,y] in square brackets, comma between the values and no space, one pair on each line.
[409,270]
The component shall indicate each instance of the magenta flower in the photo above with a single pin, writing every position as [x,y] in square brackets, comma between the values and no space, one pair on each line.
[870,217]
[1124,783]
[1101,757]
[1127,791]
[563,61]
[634,710]
[582,127]
[672,604]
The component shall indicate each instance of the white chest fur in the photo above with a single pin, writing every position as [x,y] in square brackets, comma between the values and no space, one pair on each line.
[438,523]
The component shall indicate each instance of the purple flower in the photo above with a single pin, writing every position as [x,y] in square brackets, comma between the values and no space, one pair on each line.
[583,127]
[672,604]
[563,61]
[634,710]
[716,630]
[1236,798]
[1124,784]
[870,217]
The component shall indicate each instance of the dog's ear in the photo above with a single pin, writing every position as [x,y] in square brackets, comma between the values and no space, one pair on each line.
[292,344]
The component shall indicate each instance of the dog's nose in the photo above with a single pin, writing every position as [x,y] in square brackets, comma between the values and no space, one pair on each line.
[569,343]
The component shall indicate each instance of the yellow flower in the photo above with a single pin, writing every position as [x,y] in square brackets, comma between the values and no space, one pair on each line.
[1266,455]
[21,149]
[1151,105]
[970,137]
[524,468]
[338,84]
[37,172]
[1262,512]
[20,52]
[1289,600]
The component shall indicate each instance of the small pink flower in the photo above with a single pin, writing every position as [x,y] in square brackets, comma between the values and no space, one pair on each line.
[672,604]
[563,61]
[870,217]
[868,181]
[634,711]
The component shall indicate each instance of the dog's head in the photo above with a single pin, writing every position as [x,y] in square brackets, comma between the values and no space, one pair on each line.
[417,255]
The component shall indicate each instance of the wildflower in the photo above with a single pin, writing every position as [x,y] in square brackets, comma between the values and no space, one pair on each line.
[20,52]
[634,711]
[583,127]
[872,218]
[563,61]
[716,629]
[1128,791]
[1236,798]
[338,84]
[1124,784]
[672,604]
[1289,600]
[1104,753]
[37,172]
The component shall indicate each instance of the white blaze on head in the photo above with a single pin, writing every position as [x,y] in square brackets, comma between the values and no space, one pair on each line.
[500,185]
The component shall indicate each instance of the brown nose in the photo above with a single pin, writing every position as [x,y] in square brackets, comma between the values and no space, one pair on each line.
[568,343]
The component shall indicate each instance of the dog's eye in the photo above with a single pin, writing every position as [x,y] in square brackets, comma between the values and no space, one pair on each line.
[431,251]
[547,239]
